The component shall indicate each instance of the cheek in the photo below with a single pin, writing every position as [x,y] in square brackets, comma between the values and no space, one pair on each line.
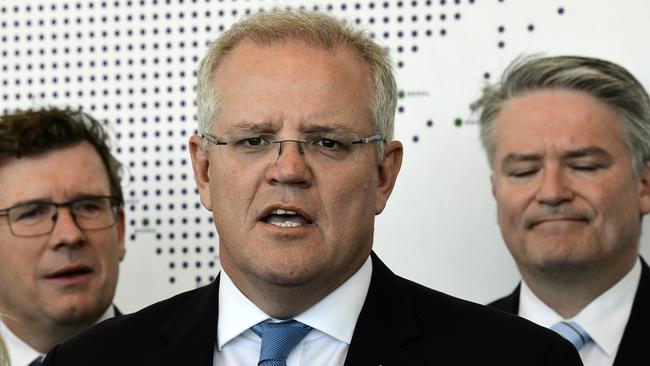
[510,206]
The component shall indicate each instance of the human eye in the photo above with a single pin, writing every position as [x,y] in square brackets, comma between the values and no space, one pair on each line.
[253,142]
[90,206]
[29,212]
[333,142]
[585,167]
[521,172]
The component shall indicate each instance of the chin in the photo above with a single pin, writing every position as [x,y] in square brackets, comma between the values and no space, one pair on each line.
[286,276]
[79,312]
[561,262]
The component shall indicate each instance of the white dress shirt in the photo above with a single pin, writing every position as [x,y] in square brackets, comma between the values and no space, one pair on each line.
[604,318]
[21,353]
[333,320]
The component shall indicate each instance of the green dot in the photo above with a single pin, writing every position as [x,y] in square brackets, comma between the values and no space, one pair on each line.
[401,94]
[458,122]
[145,222]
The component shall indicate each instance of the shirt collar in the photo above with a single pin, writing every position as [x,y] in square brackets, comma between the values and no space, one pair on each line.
[21,353]
[604,318]
[335,315]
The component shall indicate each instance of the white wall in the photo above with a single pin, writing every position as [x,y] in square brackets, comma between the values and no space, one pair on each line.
[439,227]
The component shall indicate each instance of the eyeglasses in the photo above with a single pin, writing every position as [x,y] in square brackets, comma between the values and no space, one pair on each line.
[324,148]
[38,218]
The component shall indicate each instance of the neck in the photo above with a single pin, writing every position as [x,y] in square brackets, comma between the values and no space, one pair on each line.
[43,336]
[569,290]
[282,301]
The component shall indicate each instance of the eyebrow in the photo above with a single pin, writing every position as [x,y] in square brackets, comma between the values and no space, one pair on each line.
[330,127]
[81,196]
[590,151]
[308,127]
[255,126]
[517,158]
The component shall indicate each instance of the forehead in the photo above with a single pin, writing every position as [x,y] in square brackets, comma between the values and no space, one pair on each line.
[57,175]
[292,82]
[554,121]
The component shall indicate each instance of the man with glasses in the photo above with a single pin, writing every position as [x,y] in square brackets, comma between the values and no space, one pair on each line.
[295,158]
[61,230]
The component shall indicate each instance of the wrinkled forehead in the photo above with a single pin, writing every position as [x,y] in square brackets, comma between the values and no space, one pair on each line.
[292,84]
[59,174]
[557,120]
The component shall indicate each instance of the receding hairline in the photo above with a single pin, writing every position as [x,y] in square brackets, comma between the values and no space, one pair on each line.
[305,40]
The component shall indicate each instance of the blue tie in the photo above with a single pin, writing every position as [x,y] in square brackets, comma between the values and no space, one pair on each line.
[278,340]
[573,333]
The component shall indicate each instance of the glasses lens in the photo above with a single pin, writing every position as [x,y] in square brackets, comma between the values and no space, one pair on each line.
[95,212]
[31,219]
[332,147]
[325,148]
[244,149]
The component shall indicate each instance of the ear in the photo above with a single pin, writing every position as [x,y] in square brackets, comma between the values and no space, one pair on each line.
[201,167]
[644,181]
[387,173]
[121,232]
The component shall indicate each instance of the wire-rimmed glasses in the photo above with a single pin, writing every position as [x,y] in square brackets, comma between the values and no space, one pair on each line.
[330,148]
[39,217]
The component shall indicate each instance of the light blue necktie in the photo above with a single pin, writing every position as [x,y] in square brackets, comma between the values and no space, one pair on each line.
[278,340]
[573,332]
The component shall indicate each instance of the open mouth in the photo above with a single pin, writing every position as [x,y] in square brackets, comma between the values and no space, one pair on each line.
[286,218]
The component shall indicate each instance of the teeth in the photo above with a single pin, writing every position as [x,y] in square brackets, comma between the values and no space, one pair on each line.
[286,224]
[280,211]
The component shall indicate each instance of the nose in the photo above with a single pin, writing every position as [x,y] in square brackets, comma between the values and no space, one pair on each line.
[554,187]
[66,232]
[290,166]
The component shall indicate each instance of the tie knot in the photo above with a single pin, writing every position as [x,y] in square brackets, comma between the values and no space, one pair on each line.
[278,340]
[573,332]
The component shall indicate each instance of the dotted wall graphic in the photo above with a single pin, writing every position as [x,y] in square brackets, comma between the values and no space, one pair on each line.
[131,64]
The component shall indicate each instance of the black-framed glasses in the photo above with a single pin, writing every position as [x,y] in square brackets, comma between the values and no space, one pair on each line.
[328,148]
[39,217]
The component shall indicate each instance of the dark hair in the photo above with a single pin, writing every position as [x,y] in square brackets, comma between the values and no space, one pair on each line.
[35,132]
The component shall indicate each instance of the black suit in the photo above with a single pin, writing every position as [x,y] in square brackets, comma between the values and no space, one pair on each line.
[633,349]
[401,323]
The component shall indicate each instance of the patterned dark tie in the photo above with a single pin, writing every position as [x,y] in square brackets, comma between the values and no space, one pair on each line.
[573,332]
[278,340]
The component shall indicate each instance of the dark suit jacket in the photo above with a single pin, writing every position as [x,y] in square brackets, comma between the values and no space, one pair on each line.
[633,349]
[401,323]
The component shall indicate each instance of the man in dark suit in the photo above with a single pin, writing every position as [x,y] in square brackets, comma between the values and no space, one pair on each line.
[294,160]
[568,140]
[61,230]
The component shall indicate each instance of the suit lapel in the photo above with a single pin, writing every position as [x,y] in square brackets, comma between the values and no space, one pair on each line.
[386,321]
[116,311]
[510,303]
[189,335]
[634,344]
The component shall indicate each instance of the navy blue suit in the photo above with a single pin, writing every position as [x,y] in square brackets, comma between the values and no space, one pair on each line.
[633,349]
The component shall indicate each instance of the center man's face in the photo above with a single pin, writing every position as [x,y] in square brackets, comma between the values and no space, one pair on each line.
[290,219]
[563,180]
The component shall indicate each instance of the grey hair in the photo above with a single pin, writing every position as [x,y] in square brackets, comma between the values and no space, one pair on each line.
[317,29]
[604,80]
